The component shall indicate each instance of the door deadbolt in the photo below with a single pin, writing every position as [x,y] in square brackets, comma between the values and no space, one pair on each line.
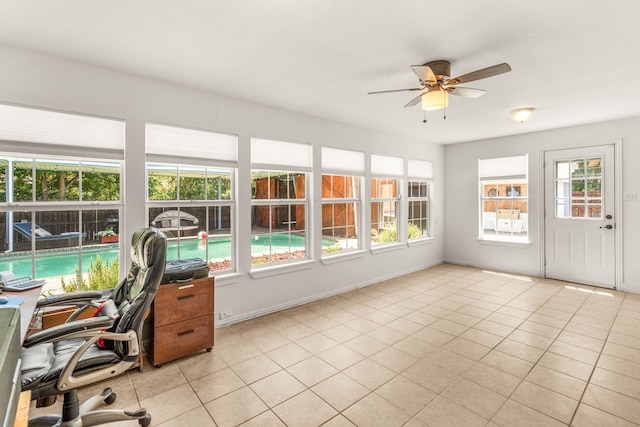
[608,226]
[609,216]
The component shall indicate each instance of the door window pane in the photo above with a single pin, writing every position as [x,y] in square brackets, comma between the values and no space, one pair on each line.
[585,198]
[577,169]
[562,170]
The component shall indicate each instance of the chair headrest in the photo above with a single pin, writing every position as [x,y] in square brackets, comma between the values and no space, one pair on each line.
[145,244]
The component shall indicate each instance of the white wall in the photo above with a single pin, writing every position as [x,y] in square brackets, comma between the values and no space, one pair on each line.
[35,79]
[461,196]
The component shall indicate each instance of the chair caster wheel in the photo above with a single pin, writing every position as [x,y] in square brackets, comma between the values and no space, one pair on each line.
[110,398]
[146,421]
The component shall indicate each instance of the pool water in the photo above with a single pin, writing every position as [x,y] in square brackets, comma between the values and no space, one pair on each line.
[65,262]
[56,265]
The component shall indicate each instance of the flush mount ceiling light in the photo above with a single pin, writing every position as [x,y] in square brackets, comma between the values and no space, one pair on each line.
[435,100]
[522,114]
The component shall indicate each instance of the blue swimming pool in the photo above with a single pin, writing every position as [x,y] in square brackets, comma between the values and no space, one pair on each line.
[64,262]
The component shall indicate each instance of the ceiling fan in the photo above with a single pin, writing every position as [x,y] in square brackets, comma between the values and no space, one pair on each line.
[436,83]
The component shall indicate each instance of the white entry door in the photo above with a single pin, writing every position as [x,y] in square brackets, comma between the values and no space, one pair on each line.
[580,218]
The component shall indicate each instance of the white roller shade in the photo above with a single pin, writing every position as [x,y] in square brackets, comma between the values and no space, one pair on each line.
[503,168]
[280,155]
[383,166]
[420,169]
[345,162]
[34,125]
[174,141]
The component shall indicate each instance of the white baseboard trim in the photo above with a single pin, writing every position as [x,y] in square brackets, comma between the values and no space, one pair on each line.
[632,288]
[219,323]
[492,267]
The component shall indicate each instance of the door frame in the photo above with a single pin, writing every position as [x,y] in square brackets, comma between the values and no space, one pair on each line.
[617,204]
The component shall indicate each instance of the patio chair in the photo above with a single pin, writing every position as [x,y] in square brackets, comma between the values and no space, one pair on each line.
[25,228]
[174,220]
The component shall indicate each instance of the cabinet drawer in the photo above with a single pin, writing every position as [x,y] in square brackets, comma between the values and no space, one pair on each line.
[182,338]
[180,301]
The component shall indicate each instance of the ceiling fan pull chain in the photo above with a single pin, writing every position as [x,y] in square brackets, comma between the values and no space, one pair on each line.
[444,102]
[424,116]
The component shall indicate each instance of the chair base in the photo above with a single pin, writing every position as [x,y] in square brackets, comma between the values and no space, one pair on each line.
[76,415]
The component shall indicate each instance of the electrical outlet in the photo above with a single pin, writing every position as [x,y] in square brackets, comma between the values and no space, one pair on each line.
[225,313]
[630,197]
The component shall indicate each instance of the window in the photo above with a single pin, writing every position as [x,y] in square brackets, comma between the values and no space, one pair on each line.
[279,201]
[420,175]
[385,198]
[579,188]
[342,173]
[56,209]
[504,199]
[192,200]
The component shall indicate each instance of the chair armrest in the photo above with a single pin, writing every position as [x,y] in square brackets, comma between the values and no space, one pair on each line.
[79,298]
[66,330]
[68,379]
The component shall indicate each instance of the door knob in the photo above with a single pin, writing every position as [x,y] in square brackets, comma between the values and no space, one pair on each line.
[608,226]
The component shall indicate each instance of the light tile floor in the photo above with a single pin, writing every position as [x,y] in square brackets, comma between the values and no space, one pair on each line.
[445,346]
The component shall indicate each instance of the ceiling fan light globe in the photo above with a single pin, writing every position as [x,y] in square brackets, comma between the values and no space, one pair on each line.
[435,100]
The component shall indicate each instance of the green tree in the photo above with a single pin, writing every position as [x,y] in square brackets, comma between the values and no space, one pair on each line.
[64,185]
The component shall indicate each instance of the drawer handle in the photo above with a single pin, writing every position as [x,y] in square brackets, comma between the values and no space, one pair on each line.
[185,297]
[185,287]
[190,331]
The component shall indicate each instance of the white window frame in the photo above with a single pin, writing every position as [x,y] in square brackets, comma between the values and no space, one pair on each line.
[273,158]
[204,150]
[419,199]
[566,195]
[421,173]
[390,169]
[46,136]
[509,224]
[347,165]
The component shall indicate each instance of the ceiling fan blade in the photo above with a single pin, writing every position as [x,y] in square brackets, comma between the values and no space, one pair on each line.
[467,92]
[424,73]
[395,90]
[414,101]
[481,74]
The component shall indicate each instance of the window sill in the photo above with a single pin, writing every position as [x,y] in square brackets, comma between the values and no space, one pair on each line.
[280,269]
[226,279]
[387,248]
[332,259]
[503,243]
[419,242]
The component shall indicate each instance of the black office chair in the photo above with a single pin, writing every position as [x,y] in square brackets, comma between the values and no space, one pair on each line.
[62,358]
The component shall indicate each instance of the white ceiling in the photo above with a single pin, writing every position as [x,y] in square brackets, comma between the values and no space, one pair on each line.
[575,61]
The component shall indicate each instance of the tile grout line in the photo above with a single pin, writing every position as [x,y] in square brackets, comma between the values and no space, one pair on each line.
[595,365]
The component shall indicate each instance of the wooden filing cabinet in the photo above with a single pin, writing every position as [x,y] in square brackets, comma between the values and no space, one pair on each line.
[181,320]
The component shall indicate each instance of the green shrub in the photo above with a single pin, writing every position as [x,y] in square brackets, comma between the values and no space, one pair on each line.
[333,248]
[389,232]
[102,275]
[414,231]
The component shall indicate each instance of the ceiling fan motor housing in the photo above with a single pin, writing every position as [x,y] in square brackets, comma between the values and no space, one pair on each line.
[441,68]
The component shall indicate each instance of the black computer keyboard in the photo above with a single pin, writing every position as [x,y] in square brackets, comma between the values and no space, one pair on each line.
[20,284]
